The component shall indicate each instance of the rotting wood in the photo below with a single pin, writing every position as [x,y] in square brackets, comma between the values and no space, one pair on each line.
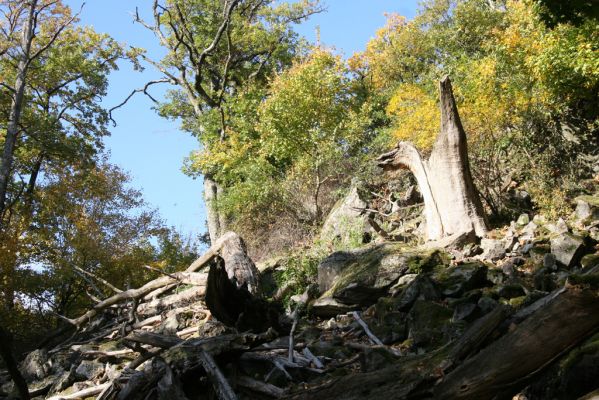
[564,321]
[82,394]
[221,385]
[260,387]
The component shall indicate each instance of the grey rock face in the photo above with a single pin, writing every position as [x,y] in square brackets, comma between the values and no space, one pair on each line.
[89,370]
[568,249]
[492,249]
[346,219]
[35,365]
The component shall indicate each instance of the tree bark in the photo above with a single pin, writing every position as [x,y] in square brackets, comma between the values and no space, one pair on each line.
[217,222]
[11,364]
[16,107]
[451,202]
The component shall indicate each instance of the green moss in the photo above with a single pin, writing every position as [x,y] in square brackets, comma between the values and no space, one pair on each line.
[369,263]
[591,281]
[589,261]
[518,302]
[590,347]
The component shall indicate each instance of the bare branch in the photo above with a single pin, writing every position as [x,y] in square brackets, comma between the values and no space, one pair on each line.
[143,90]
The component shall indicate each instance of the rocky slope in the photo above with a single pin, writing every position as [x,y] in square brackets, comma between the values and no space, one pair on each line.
[512,315]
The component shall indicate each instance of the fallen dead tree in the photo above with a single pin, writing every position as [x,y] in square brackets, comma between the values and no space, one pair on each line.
[499,370]
[238,267]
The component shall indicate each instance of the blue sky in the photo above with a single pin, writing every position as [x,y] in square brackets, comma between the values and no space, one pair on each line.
[152,149]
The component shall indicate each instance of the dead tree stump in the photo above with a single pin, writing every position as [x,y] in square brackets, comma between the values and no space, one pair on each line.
[451,202]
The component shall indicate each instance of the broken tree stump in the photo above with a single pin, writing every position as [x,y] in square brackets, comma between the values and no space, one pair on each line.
[451,202]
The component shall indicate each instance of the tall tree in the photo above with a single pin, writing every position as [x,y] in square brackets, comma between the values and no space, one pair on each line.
[25,18]
[217,50]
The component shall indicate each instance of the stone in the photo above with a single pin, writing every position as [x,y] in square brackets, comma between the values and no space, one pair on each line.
[457,240]
[35,366]
[550,262]
[428,323]
[589,262]
[568,249]
[89,370]
[511,291]
[403,281]
[463,312]
[347,219]
[421,288]
[587,208]
[454,281]
[559,227]
[327,307]
[523,220]
[529,232]
[486,304]
[363,275]
[544,281]
[493,249]
[332,266]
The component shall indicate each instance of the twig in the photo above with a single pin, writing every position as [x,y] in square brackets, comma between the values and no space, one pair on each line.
[317,363]
[220,383]
[371,335]
[83,394]
[293,326]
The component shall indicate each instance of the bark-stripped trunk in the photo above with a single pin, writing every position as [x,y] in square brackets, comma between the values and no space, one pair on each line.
[451,202]
[217,222]
[16,107]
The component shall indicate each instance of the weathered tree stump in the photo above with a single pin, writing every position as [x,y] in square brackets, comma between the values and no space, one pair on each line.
[451,202]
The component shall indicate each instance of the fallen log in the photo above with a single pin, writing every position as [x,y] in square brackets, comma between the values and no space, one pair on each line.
[82,394]
[186,296]
[544,336]
[230,244]
[503,366]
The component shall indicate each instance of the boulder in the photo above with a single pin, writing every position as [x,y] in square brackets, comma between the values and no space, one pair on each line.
[568,249]
[363,275]
[89,370]
[587,208]
[347,220]
[421,288]
[454,281]
[428,323]
[35,366]
[326,307]
[493,249]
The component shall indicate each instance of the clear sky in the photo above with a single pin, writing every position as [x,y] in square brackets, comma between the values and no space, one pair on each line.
[152,149]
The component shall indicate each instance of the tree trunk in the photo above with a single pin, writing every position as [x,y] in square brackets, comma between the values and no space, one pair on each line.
[451,202]
[16,107]
[217,223]
[11,364]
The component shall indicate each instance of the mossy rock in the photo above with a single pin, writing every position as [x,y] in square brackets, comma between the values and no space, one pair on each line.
[589,261]
[454,281]
[430,324]
[362,276]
